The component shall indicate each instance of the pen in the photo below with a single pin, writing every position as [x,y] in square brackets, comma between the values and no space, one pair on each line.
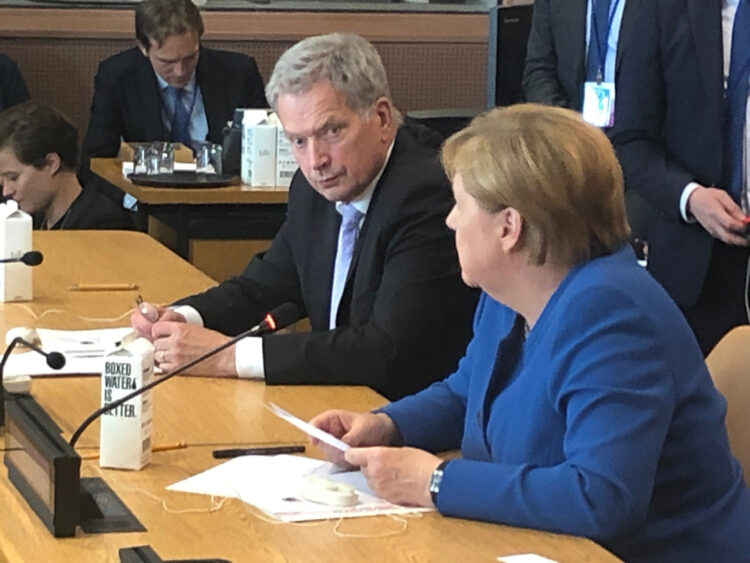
[156,448]
[103,287]
[269,450]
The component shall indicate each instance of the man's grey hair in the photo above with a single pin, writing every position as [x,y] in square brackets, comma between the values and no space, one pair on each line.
[348,62]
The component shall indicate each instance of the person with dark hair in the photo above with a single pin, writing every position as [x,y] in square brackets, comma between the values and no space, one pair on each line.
[169,87]
[12,87]
[38,163]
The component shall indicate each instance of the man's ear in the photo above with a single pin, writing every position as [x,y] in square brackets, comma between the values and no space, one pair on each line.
[52,163]
[143,48]
[510,229]
[384,112]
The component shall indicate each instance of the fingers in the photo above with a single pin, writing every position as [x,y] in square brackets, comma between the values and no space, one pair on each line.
[717,212]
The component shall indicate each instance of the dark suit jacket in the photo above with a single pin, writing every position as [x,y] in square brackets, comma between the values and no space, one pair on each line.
[127,102]
[555,68]
[405,315]
[12,87]
[92,209]
[669,131]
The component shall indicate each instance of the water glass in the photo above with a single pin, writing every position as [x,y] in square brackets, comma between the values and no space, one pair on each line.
[166,158]
[153,158]
[208,159]
[139,159]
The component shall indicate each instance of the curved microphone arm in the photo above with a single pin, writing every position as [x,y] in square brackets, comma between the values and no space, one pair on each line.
[278,318]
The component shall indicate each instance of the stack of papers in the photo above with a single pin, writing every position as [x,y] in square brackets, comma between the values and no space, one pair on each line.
[274,485]
[83,351]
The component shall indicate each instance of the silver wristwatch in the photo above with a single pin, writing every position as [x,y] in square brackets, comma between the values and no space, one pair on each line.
[437,478]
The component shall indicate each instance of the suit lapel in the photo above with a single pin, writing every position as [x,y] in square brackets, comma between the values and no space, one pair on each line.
[212,89]
[331,222]
[705,26]
[626,26]
[150,109]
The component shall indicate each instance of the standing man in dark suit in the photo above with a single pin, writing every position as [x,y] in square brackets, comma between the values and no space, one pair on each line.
[566,47]
[12,87]
[364,252]
[680,134]
[169,88]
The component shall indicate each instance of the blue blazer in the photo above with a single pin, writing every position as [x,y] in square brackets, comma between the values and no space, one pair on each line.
[602,422]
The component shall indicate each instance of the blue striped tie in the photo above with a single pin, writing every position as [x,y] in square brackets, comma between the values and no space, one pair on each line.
[181,120]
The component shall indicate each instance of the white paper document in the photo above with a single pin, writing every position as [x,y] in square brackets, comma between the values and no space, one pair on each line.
[83,351]
[309,429]
[274,485]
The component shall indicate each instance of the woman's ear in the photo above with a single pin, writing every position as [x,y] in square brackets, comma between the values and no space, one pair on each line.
[510,229]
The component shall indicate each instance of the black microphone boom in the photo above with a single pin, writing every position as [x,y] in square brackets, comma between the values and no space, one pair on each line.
[55,360]
[280,317]
[30,258]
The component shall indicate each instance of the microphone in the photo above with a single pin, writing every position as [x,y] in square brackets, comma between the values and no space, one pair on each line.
[30,258]
[55,360]
[280,317]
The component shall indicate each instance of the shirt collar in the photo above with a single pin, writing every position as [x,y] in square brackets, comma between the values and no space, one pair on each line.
[362,203]
[163,84]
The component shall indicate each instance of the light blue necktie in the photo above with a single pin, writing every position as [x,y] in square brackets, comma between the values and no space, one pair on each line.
[736,100]
[350,217]
[181,117]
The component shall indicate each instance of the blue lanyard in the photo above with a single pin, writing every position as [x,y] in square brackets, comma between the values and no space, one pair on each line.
[602,51]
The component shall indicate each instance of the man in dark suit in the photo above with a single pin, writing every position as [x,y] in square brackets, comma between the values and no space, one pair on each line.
[559,45]
[364,252]
[169,88]
[670,136]
[12,87]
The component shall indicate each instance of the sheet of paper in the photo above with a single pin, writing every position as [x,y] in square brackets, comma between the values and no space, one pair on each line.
[309,429]
[525,558]
[83,351]
[273,484]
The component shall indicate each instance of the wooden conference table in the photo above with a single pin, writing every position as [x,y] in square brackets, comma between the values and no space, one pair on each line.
[236,212]
[206,413]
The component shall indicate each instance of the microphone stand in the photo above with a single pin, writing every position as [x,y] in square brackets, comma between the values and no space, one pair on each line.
[286,314]
[55,360]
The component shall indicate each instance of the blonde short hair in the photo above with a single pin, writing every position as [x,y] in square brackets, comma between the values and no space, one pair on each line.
[558,172]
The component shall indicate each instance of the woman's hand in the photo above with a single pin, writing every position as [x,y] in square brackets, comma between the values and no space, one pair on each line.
[398,475]
[355,429]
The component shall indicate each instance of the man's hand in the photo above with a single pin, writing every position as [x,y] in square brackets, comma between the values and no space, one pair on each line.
[717,212]
[398,475]
[177,343]
[356,429]
[146,314]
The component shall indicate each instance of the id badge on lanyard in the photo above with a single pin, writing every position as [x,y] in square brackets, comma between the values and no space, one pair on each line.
[599,103]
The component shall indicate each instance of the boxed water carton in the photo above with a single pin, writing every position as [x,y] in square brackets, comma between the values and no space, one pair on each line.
[125,441]
[15,241]
[286,165]
[258,165]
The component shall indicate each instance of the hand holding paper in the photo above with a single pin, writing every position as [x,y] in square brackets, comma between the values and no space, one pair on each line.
[309,429]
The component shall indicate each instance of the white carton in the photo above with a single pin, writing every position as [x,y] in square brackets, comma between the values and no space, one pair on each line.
[286,165]
[258,163]
[125,441]
[15,240]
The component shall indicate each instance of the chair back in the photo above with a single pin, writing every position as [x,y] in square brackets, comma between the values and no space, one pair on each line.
[729,365]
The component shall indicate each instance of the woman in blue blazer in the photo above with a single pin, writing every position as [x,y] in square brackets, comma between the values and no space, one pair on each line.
[583,404]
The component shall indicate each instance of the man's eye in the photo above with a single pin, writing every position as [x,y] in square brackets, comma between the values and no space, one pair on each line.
[334,130]
[298,141]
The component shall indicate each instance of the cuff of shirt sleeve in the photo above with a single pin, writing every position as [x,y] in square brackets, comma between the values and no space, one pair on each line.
[192,316]
[248,358]
[689,189]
